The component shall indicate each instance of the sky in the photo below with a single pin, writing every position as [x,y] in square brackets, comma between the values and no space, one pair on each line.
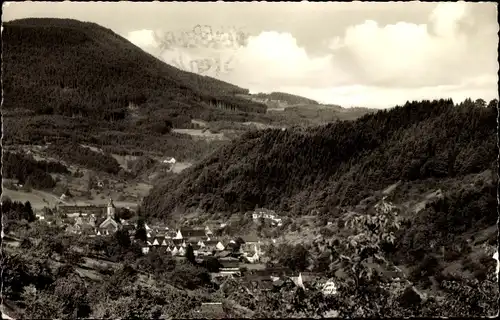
[364,54]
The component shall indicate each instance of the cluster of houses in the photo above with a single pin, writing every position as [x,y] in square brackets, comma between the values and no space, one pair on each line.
[203,243]
[95,221]
[269,215]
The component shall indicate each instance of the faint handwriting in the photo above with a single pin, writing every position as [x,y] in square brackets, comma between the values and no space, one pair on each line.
[203,36]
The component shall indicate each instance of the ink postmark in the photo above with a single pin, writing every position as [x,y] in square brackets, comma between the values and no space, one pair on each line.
[203,49]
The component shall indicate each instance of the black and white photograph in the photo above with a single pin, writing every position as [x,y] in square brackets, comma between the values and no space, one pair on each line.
[249,160]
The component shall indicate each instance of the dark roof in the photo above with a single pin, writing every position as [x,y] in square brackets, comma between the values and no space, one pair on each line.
[192,233]
[230,263]
[211,242]
[224,253]
[231,245]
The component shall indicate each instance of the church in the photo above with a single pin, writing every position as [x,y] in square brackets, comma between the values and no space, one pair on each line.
[109,225]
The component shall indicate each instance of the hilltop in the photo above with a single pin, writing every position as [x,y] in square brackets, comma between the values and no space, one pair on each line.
[286,97]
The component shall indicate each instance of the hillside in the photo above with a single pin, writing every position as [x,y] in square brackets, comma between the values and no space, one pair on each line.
[414,187]
[91,67]
[298,170]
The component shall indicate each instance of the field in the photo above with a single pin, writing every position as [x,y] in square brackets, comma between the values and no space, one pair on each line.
[38,199]
[200,133]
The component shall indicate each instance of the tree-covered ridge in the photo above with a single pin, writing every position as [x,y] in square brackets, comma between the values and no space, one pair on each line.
[89,71]
[29,171]
[341,163]
[85,157]
[287,97]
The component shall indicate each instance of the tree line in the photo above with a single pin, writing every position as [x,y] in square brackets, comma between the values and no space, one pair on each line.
[29,171]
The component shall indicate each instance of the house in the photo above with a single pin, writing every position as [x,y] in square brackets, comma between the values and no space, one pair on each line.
[208,232]
[150,234]
[145,249]
[329,288]
[175,251]
[196,249]
[214,245]
[169,160]
[229,266]
[298,281]
[170,234]
[178,235]
[156,242]
[305,279]
[251,249]
[181,252]
[191,234]
[160,228]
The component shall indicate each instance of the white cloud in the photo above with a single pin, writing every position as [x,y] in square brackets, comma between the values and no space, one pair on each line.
[385,97]
[370,64]
[143,38]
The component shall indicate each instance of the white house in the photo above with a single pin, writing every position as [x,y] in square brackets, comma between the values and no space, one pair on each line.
[181,251]
[330,288]
[298,281]
[169,160]
[175,251]
[145,250]
[178,235]
[208,232]
[219,246]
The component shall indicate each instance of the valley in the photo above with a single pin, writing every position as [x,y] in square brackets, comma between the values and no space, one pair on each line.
[131,188]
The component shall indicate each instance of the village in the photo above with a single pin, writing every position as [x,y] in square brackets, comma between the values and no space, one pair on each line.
[241,257]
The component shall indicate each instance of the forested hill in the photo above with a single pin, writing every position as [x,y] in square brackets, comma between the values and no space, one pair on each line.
[297,170]
[287,97]
[72,68]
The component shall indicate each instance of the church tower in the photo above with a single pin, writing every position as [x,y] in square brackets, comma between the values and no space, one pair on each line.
[111,209]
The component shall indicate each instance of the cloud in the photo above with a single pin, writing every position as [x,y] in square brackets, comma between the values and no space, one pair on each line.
[415,55]
[484,87]
[453,55]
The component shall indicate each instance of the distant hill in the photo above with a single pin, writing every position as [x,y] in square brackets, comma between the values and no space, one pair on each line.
[286,97]
[297,170]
